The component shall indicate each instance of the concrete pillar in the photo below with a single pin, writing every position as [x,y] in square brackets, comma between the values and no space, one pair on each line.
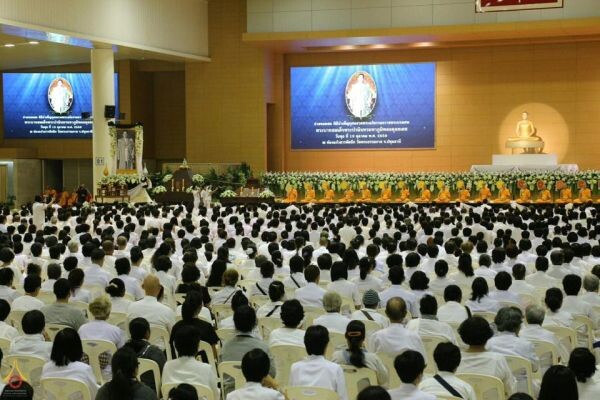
[103,93]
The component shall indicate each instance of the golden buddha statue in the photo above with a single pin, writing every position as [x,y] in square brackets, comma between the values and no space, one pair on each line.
[566,196]
[585,194]
[485,193]
[464,195]
[348,196]
[425,196]
[404,196]
[309,195]
[386,195]
[444,196]
[292,195]
[524,195]
[329,194]
[525,138]
[365,194]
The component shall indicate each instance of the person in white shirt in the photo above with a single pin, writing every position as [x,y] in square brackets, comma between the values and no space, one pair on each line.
[574,304]
[76,278]
[441,281]
[163,266]
[480,300]
[503,282]
[272,309]
[475,332]
[65,361]
[540,278]
[534,315]
[355,354]
[6,330]
[259,384]
[296,279]
[396,278]
[453,312]
[519,285]
[94,274]
[230,280]
[410,366]
[32,286]
[428,323]
[54,273]
[99,329]
[137,258]
[132,285]
[150,308]
[369,312]
[292,315]
[261,288]
[445,383]
[590,285]
[333,320]
[340,284]
[6,281]
[395,338]
[316,371]
[116,291]
[311,295]
[556,316]
[508,322]
[485,270]
[185,368]
[366,280]
[35,341]
[583,364]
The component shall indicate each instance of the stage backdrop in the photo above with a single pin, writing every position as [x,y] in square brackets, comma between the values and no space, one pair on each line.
[48,105]
[385,106]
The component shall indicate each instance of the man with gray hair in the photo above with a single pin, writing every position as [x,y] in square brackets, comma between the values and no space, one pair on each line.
[508,321]
[534,315]
[333,320]
[590,285]
[73,247]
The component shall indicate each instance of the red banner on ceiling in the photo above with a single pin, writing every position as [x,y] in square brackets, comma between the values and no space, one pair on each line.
[510,5]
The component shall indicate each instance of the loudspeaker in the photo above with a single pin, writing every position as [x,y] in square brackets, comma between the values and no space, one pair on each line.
[109,111]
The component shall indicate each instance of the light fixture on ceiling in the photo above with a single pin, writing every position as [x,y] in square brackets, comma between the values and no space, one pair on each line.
[34,42]
[424,44]
[9,45]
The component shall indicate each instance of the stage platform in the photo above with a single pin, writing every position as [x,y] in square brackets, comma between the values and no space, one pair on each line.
[525,163]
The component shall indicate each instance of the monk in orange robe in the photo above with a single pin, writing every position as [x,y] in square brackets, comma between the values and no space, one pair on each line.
[464,195]
[566,196]
[585,195]
[365,194]
[64,199]
[404,196]
[485,193]
[504,196]
[544,197]
[310,194]
[444,196]
[348,196]
[329,195]
[292,196]
[524,195]
[425,196]
[386,195]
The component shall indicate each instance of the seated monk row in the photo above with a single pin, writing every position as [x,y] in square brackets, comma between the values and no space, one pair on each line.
[444,196]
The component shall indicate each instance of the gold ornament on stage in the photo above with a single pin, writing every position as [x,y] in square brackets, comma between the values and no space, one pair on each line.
[105,172]
[525,137]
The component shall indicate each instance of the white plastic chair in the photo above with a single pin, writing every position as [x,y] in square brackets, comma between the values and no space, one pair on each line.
[337,341]
[348,306]
[15,318]
[357,379]
[585,331]
[488,316]
[268,325]
[259,300]
[310,393]
[547,353]
[93,349]
[204,392]
[53,329]
[5,345]
[118,319]
[64,388]
[521,368]
[158,333]
[285,356]
[147,365]
[310,314]
[430,342]
[226,334]
[388,361]
[210,355]
[46,297]
[564,335]
[29,366]
[232,369]
[221,311]
[485,386]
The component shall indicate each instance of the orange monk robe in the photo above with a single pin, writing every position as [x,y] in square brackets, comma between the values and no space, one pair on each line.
[404,196]
[292,196]
[365,195]
[504,197]
[310,195]
[425,196]
[329,196]
[444,196]
[524,196]
[585,195]
[545,197]
[485,193]
[72,199]
[348,196]
[566,196]
[464,195]
[64,199]
[386,195]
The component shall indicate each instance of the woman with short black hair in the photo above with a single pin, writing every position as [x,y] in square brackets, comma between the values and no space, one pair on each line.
[124,384]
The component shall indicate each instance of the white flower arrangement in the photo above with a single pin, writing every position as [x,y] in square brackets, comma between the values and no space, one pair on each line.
[120,180]
[159,189]
[167,178]
[198,179]
[228,194]
[266,194]
[190,189]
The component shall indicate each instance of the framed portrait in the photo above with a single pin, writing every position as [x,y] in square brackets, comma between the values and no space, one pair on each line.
[515,5]
[126,151]
[126,148]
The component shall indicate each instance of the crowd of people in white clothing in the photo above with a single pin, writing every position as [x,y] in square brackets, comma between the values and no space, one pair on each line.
[367,302]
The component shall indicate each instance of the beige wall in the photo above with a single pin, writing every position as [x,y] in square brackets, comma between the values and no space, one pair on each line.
[480,93]
[326,15]
[225,99]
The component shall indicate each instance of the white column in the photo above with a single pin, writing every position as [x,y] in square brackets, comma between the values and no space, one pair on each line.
[103,93]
